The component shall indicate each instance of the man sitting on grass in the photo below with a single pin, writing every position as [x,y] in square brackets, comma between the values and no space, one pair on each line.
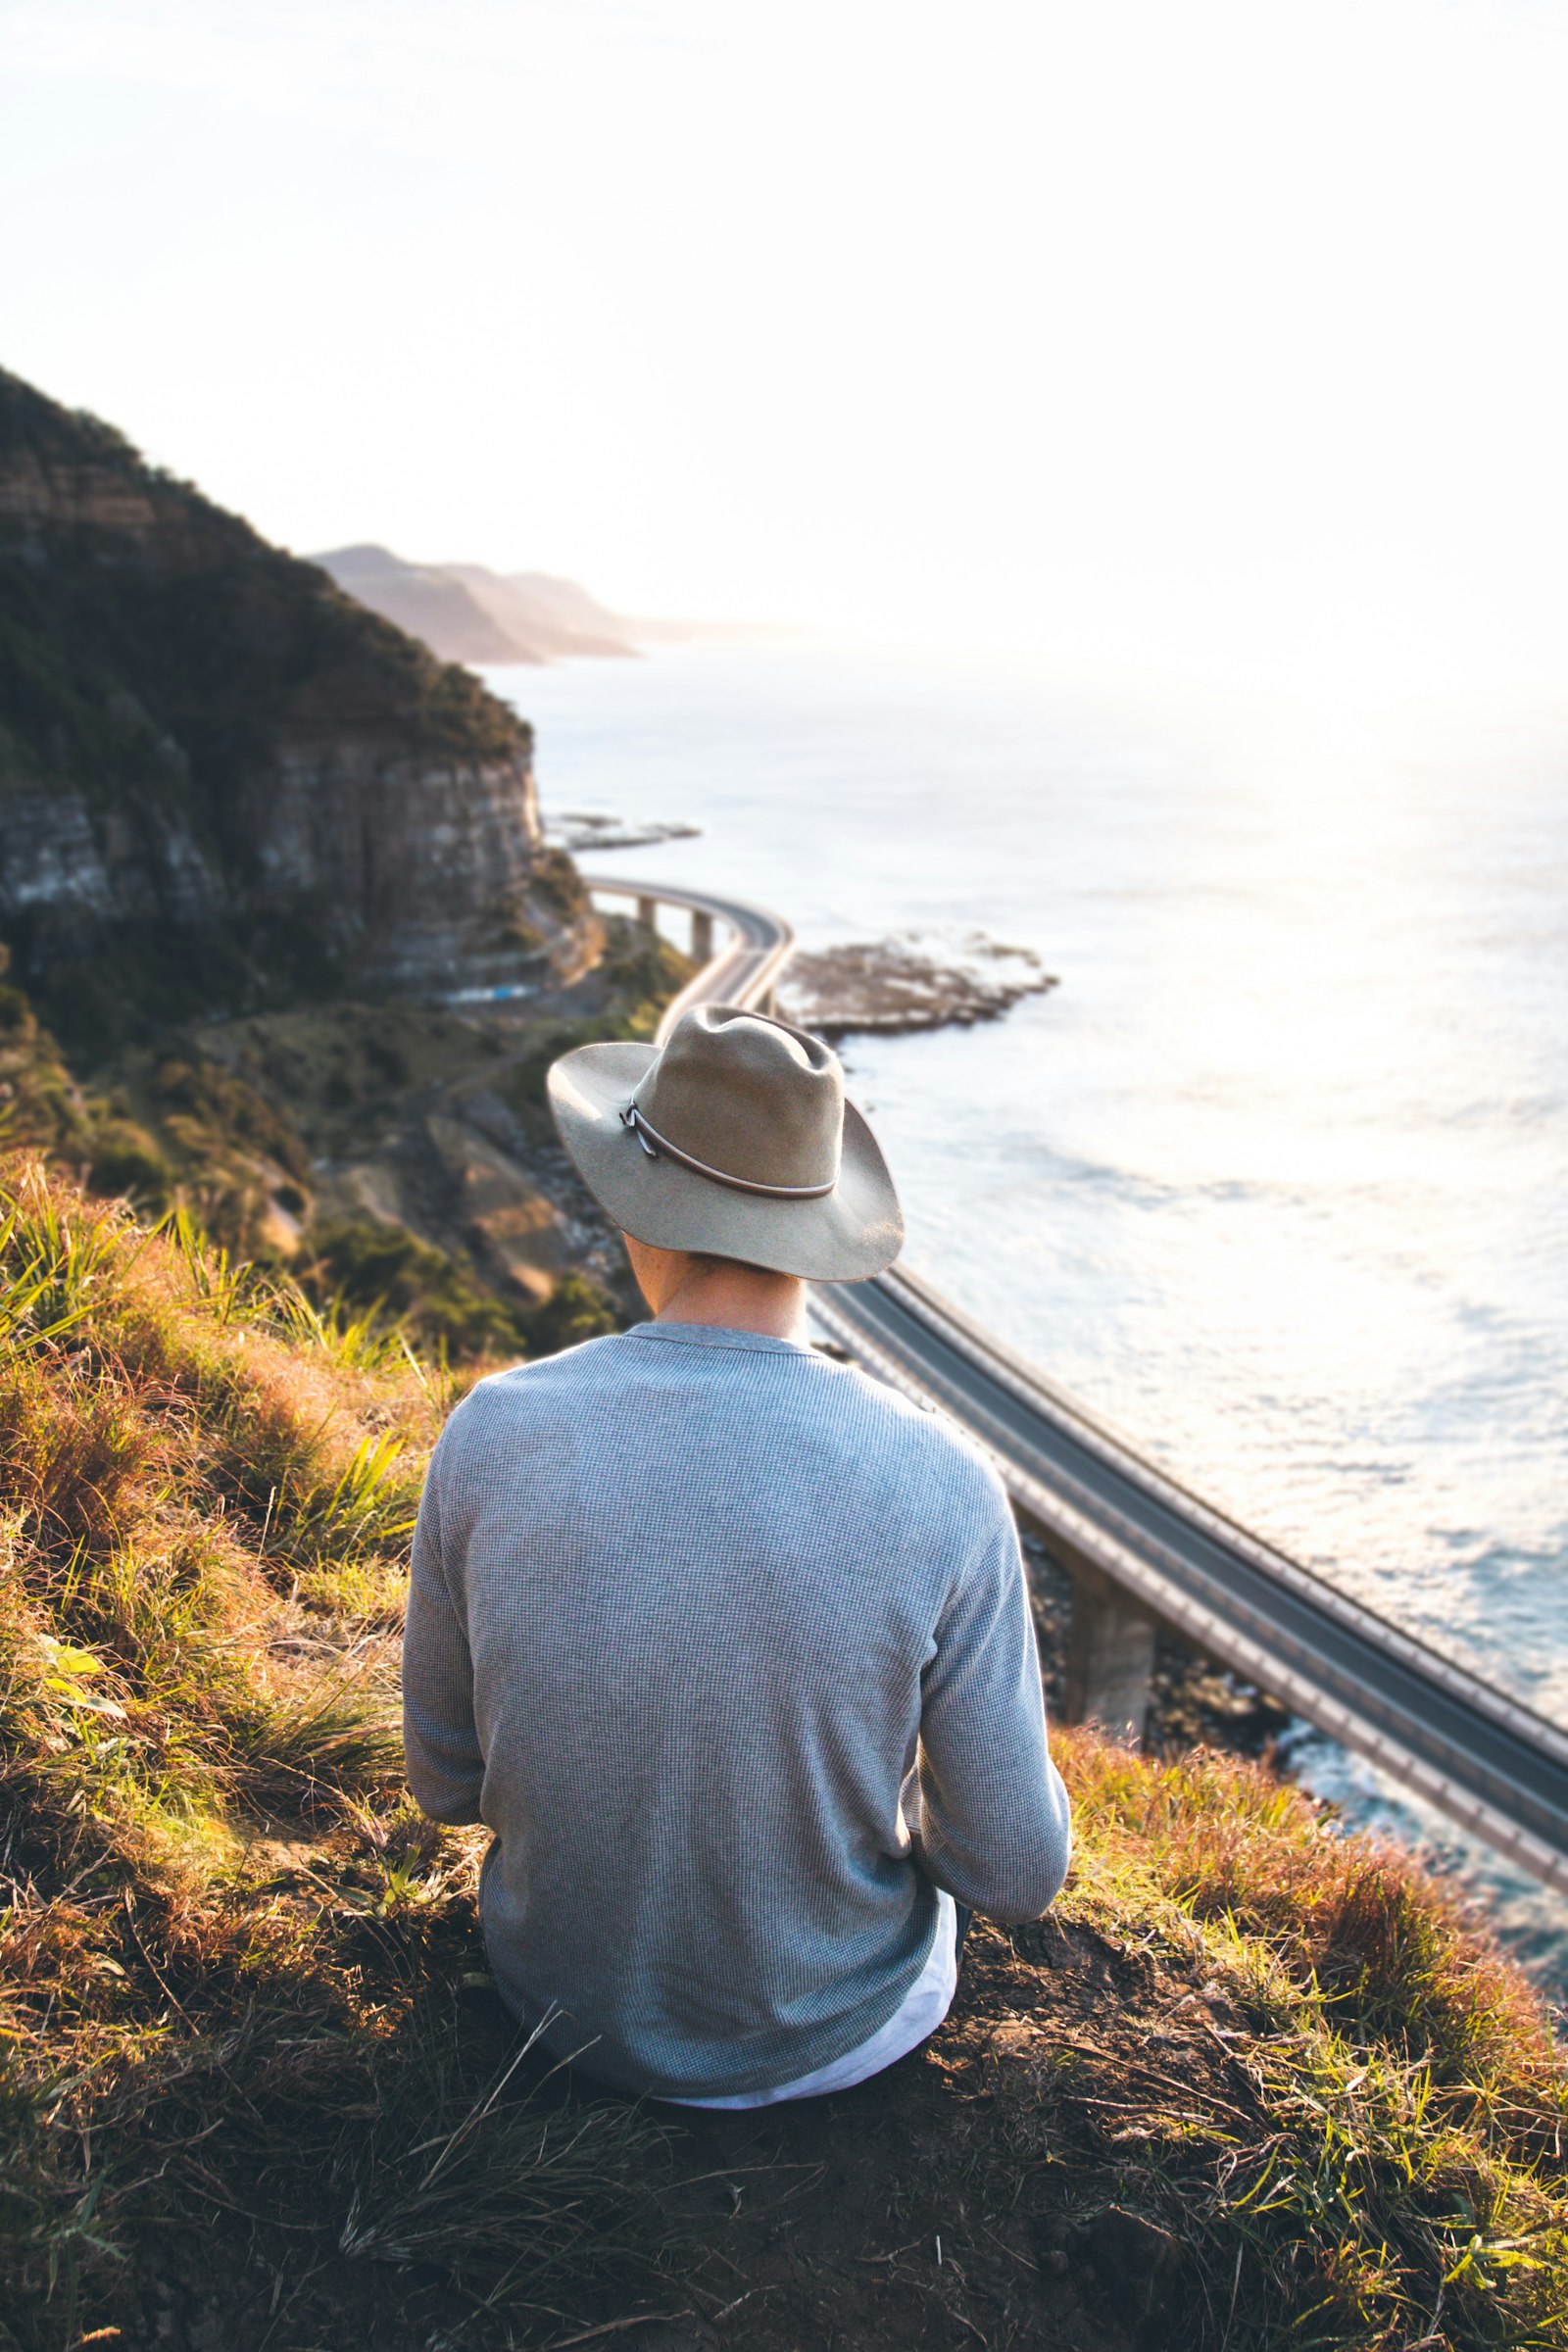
[726,1644]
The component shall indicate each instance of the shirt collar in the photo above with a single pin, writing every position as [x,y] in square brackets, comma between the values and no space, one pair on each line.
[717,1334]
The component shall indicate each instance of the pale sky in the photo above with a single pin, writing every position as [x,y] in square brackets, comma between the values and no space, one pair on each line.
[1226,333]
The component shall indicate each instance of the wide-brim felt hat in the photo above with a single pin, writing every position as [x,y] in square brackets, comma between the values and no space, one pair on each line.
[734,1139]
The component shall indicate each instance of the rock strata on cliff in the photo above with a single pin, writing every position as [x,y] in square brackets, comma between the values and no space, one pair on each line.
[223,783]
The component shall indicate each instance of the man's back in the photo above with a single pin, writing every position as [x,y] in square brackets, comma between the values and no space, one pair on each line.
[715,1592]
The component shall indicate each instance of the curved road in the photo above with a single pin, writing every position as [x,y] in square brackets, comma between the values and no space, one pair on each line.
[1495,1767]
[746,966]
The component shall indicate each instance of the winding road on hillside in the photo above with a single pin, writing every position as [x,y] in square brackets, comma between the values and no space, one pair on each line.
[1108,1512]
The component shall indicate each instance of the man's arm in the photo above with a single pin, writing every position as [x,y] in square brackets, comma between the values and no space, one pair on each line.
[440,1743]
[995,1827]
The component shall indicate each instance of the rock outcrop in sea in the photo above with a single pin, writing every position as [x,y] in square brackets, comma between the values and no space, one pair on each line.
[223,783]
[889,986]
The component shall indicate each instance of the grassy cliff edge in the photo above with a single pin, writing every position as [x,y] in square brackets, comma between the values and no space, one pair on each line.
[1251,2082]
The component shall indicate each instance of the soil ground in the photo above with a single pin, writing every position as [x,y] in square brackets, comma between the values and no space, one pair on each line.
[968,2195]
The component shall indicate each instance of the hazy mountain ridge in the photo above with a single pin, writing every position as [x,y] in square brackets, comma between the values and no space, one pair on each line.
[466,613]
[223,782]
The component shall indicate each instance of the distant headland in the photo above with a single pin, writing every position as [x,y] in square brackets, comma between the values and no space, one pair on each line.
[468,612]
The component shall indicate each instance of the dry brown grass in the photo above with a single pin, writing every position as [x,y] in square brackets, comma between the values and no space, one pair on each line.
[1386,1949]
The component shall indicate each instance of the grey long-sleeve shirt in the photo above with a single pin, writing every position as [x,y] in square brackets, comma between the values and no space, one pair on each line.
[729,1648]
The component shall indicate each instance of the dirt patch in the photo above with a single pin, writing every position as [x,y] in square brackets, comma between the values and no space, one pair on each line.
[984,2191]
[967,2195]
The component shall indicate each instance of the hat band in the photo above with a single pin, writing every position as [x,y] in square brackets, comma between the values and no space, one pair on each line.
[654,1144]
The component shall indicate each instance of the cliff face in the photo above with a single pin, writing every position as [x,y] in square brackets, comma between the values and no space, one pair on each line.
[223,783]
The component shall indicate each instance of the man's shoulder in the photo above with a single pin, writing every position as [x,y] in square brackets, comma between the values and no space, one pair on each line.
[912,1442]
[531,1391]
[924,1437]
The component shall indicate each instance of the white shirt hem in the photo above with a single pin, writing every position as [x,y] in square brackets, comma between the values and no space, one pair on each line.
[919,2013]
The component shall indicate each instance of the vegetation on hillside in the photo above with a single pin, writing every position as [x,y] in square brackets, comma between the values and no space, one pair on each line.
[254,2089]
[230,1947]
[226,1123]
[391,1278]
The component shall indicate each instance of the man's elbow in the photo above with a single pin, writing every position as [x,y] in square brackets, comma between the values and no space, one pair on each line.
[1027,1891]
[1029,1873]
[451,1797]
[453,1811]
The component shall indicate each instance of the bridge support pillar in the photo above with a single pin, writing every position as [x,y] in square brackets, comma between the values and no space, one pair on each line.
[702,938]
[1111,1658]
[648,912]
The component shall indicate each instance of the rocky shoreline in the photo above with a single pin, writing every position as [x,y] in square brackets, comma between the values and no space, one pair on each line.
[577,830]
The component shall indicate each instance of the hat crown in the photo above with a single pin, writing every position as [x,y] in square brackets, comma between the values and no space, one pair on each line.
[747,1098]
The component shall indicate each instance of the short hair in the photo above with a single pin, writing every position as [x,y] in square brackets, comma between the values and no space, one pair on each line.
[712,1260]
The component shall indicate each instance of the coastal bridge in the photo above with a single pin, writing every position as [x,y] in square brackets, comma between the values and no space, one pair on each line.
[1143,1549]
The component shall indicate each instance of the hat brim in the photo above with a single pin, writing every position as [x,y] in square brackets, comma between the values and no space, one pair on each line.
[848,1235]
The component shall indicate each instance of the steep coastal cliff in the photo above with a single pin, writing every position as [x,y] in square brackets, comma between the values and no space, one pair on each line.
[223,784]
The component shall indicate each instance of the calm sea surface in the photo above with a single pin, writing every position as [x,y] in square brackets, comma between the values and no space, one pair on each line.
[1277,1179]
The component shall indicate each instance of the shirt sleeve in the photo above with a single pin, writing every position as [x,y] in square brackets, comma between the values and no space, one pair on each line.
[440,1741]
[993,1825]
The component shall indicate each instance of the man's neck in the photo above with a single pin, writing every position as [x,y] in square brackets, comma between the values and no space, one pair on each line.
[734,1298]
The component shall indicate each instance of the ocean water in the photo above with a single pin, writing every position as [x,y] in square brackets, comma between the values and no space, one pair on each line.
[1277,1178]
